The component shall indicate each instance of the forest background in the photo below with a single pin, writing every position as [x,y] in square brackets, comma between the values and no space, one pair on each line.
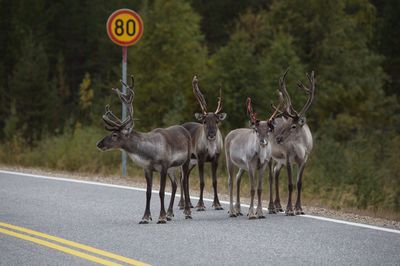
[57,68]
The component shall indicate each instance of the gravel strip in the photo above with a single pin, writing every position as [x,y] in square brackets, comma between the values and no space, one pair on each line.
[139,182]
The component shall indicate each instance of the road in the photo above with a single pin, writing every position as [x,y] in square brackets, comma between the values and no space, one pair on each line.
[106,217]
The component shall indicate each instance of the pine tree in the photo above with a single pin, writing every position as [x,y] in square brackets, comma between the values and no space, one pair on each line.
[31,93]
[334,38]
[251,64]
[164,62]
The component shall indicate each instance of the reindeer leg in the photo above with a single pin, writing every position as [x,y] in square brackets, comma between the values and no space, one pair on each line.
[170,212]
[271,206]
[238,179]
[297,207]
[163,215]
[230,168]
[214,167]
[200,205]
[185,171]
[149,180]
[181,203]
[259,212]
[251,213]
[277,202]
[289,208]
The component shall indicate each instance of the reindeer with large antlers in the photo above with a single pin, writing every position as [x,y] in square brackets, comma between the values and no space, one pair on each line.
[207,143]
[160,150]
[249,150]
[291,143]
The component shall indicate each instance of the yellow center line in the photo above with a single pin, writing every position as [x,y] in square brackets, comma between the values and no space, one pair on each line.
[72,244]
[57,247]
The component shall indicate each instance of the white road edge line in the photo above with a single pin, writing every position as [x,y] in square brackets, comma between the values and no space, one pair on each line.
[205,199]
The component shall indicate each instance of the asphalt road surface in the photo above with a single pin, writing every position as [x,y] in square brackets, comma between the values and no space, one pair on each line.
[106,217]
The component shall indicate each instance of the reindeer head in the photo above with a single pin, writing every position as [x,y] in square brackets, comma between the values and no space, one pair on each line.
[120,130]
[261,128]
[210,120]
[292,121]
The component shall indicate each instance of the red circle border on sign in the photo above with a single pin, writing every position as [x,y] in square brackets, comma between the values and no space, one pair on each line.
[124,11]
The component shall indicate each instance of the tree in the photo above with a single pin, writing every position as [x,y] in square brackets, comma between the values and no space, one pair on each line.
[251,64]
[334,39]
[164,62]
[31,92]
[85,98]
[387,35]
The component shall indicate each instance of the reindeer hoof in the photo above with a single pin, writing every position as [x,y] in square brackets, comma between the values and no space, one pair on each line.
[299,212]
[188,217]
[252,217]
[232,214]
[271,208]
[200,208]
[162,221]
[260,216]
[278,207]
[144,222]
[217,206]
[289,213]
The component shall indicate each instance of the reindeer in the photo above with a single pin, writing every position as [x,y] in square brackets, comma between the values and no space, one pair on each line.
[207,144]
[160,150]
[248,149]
[291,143]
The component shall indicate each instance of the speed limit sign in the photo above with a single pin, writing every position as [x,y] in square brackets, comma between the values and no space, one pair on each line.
[125,27]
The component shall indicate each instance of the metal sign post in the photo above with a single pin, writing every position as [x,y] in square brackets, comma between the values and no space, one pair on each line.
[124,59]
[125,28]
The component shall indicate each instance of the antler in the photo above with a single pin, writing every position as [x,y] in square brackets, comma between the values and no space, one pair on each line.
[250,113]
[309,91]
[113,123]
[282,88]
[219,107]
[199,96]
[127,98]
[277,109]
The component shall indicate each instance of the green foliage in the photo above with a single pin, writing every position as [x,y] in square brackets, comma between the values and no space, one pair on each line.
[85,97]
[386,39]
[31,94]
[165,61]
[250,66]
[359,173]
[72,151]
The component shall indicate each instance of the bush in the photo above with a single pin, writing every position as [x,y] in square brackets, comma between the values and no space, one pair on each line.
[73,151]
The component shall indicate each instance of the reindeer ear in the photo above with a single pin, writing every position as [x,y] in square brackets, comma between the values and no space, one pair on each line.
[271,124]
[302,121]
[199,116]
[221,116]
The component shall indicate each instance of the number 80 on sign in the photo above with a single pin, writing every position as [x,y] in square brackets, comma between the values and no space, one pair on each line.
[124,27]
